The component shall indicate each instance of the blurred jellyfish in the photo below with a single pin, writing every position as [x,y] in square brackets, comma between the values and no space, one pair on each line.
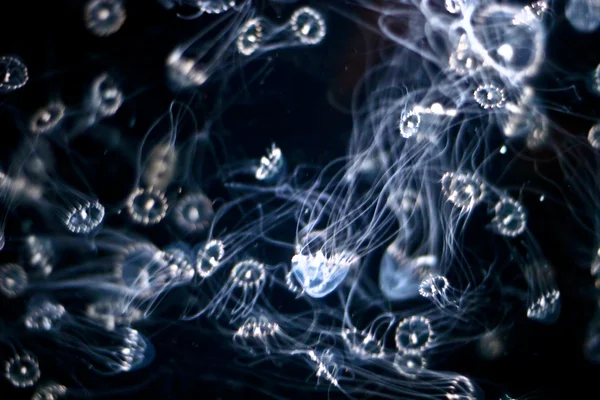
[49,391]
[583,15]
[22,370]
[105,97]
[38,255]
[193,213]
[43,315]
[463,190]
[47,118]
[594,136]
[13,73]
[85,217]
[113,313]
[400,276]
[308,25]
[160,167]
[362,343]
[13,280]
[104,17]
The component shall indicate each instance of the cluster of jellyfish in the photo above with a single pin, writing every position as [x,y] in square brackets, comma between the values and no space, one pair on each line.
[367,272]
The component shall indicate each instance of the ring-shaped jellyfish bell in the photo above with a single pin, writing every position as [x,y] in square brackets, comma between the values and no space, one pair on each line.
[400,276]
[507,42]
[319,270]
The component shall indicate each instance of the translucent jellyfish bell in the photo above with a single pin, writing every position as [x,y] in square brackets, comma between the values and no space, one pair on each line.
[583,15]
[13,280]
[104,17]
[400,276]
[49,391]
[319,274]
[409,364]
[308,25]
[22,370]
[47,118]
[510,217]
[272,166]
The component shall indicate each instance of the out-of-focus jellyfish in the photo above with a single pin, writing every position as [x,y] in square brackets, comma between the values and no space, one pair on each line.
[104,17]
[13,280]
[43,315]
[113,313]
[594,136]
[362,343]
[463,190]
[49,391]
[47,118]
[38,255]
[308,25]
[84,217]
[400,276]
[161,166]
[105,97]
[193,213]
[13,73]
[584,15]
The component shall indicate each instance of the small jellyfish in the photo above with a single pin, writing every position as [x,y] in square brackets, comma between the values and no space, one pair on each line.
[362,343]
[409,124]
[105,97]
[38,255]
[13,280]
[84,218]
[272,166]
[214,6]
[409,364]
[463,190]
[43,315]
[148,271]
[208,258]
[49,391]
[546,308]
[13,73]
[193,213]
[308,25]
[413,334]
[250,37]
[434,286]
[47,118]
[22,371]
[583,15]
[104,17]
[146,206]
[489,96]
[510,217]
[594,136]
[160,167]
[400,276]
[319,274]
[113,313]
[464,61]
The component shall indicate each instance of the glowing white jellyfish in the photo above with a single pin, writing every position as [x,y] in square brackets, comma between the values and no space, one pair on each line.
[583,15]
[423,122]
[249,276]
[214,6]
[13,73]
[22,370]
[413,334]
[13,280]
[47,118]
[308,25]
[510,217]
[49,391]
[543,297]
[105,97]
[463,190]
[409,124]
[147,206]
[594,136]
[193,213]
[489,96]
[208,258]
[104,17]
[250,37]
[272,166]
[43,315]
[362,343]
[434,287]
[84,218]
[320,274]
[409,364]
[546,308]
[255,334]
